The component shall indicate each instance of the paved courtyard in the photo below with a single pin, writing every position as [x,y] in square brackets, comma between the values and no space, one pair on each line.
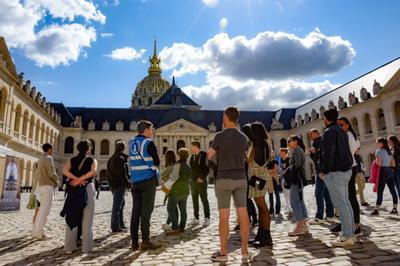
[379,245]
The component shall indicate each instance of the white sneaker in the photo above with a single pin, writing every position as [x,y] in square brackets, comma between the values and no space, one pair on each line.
[329,219]
[343,242]
[166,227]
[316,221]
[206,221]
[195,221]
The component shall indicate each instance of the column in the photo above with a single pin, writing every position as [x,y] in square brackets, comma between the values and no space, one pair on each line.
[389,118]
[361,127]
[374,125]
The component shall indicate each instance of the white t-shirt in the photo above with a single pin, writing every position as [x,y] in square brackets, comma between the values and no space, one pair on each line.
[353,145]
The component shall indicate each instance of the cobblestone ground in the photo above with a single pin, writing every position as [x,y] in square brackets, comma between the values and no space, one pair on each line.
[379,245]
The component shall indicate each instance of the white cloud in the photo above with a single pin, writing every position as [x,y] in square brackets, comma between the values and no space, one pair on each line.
[60,45]
[269,55]
[126,53]
[51,45]
[107,35]
[210,3]
[223,23]
[68,9]
[219,92]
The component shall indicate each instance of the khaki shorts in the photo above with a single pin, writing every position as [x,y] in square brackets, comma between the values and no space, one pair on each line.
[226,188]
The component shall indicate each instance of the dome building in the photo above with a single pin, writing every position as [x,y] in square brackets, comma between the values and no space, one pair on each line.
[152,87]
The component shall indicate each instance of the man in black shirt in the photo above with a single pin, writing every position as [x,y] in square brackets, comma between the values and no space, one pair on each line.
[198,182]
[118,180]
[321,192]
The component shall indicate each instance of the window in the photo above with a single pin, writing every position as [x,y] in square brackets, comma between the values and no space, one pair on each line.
[283,143]
[69,145]
[104,147]
[180,144]
[397,113]
[93,148]
[381,120]
[367,124]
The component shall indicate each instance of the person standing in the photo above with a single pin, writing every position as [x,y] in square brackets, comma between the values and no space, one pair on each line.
[179,193]
[354,144]
[360,177]
[198,184]
[230,146]
[321,191]
[394,144]
[384,159]
[118,180]
[47,182]
[79,205]
[283,153]
[297,172]
[273,170]
[336,164]
[143,166]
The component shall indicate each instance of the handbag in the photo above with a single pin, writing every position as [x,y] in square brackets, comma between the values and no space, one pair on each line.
[254,180]
[167,186]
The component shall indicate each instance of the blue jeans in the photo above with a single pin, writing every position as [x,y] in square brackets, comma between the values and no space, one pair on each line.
[297,203]
[322,196]
[117,217]
[338,186]
[173,203]
[277,208]
[386,177]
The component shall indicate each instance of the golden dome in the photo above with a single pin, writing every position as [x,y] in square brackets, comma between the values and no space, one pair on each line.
[153,86]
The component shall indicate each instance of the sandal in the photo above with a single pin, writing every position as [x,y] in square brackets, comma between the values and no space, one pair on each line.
[218,257]
[298,231]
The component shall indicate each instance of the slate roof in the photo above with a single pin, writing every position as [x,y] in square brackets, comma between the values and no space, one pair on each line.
[159,117]
[167,97]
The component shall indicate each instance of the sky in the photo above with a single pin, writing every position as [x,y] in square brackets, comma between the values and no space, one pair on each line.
[255,54]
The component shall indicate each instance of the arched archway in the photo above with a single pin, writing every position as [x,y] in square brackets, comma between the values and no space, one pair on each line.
[103,175]
[25,119]
[3,103]
[93,148]
[105,147]
[37,133]
[47,138]
[42,131]
[354,124]
[397,113]
[17,120]
[31,126]
[381,119]
[367,124]
[69,145]
[180,144]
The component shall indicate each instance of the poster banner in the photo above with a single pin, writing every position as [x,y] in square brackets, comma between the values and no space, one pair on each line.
[10,194]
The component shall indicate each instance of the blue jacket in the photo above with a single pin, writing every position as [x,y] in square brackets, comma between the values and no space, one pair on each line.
[141,164]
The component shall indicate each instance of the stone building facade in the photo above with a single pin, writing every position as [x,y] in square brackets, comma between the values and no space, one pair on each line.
[27,119]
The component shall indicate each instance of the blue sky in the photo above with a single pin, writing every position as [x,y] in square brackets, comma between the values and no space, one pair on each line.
[257,54]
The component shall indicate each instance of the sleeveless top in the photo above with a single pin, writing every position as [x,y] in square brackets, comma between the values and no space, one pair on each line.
[86,167]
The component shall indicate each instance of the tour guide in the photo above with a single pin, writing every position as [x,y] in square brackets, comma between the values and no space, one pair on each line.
[143,166]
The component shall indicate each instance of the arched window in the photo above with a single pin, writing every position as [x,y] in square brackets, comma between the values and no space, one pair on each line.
[47,139]
[3,102]
[69,145]
[25,123]
[104,147]
[103,175]
[180,144]
[17,118]
[283,142]
[93,149]
[42,131]
[354,124]
[31,126]
[51,137]
[37,132]
[150,101]
[397,113]
[381,120]
[367,124]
